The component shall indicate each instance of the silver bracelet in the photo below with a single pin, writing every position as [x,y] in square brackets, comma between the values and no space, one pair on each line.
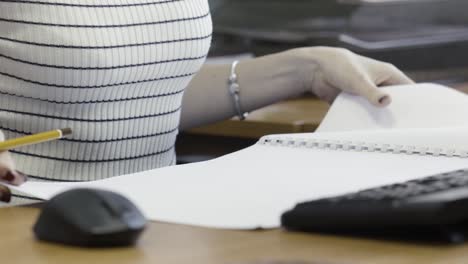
[234,90]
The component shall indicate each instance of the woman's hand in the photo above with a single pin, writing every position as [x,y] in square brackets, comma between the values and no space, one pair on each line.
[8,174]
[268,79]
[327,71]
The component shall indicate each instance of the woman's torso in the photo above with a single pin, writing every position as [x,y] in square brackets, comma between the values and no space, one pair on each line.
[114,71]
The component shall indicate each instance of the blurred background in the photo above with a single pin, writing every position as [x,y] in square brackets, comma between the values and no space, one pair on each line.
[426,38]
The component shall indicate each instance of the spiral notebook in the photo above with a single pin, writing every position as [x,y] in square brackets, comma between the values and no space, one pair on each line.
[357,146]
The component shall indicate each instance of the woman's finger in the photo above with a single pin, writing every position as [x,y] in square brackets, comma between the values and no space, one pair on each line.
[395,76]
[13,177]
[372,93]
[8,174]
[5,194]
[363,86]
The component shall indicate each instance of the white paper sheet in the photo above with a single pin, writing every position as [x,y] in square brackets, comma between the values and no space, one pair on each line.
[251,188]
[413,106]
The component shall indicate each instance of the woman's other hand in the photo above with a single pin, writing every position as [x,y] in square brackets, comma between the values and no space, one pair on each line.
[327,71]
[8,174]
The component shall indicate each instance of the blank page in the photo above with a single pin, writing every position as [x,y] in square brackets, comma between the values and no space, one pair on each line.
[252,187]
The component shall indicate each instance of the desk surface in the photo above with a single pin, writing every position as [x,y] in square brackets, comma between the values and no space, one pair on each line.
[166,243]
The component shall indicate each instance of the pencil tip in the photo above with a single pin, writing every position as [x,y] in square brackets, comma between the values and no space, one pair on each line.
[66,131]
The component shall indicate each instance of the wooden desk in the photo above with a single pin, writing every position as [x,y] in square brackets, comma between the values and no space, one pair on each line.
[175,244]
[293,116]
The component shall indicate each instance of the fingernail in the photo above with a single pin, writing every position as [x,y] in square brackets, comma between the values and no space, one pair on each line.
[9,177]
[14,178]
[385,100]
[5,194]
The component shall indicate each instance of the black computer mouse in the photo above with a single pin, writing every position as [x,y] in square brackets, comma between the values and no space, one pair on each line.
[90,218]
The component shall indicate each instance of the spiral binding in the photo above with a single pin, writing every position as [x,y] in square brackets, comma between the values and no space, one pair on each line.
[362,146]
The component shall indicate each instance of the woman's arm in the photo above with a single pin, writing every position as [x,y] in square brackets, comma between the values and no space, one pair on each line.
[269,79]
[208,100]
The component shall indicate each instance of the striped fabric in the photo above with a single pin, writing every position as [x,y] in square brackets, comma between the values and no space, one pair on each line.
[112,70]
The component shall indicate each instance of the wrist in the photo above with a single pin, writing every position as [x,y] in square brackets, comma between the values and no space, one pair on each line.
[268,79]
[306,62]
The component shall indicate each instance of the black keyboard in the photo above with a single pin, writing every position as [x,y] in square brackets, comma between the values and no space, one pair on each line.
[434,206]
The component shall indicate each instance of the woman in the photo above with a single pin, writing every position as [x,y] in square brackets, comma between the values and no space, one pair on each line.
[115,71]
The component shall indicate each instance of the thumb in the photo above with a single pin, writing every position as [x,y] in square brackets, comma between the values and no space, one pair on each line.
[365,88]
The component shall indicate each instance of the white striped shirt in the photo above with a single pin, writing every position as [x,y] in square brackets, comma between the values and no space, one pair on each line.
[112,70]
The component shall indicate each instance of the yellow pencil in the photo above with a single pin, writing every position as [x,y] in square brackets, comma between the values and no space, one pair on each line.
[34,139]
